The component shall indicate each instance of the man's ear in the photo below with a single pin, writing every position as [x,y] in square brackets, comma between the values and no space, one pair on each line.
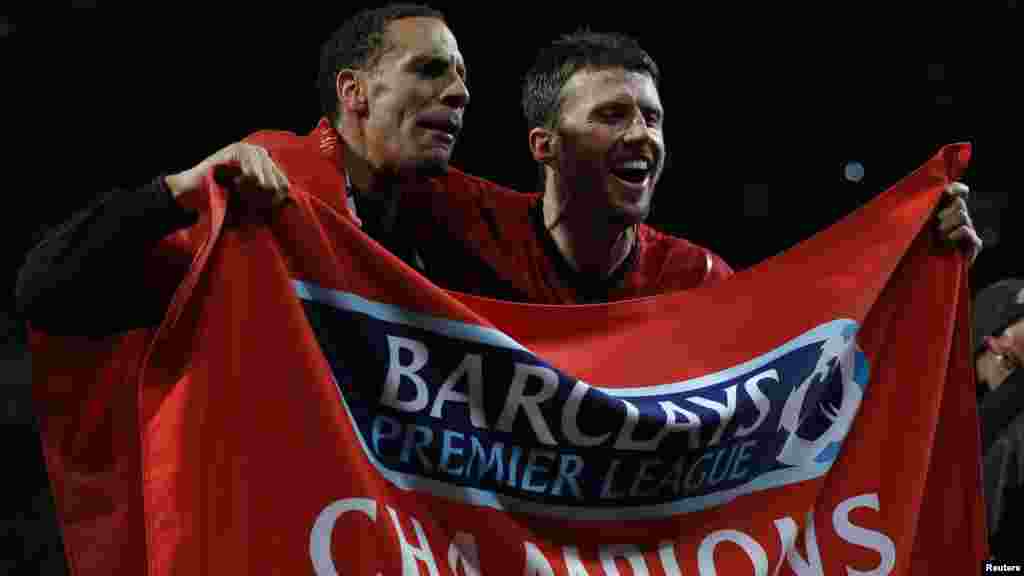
[543,144]
[351,90]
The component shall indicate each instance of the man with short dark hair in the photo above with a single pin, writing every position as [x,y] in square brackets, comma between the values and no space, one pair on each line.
[597,130]
[399,81]
[393,86]
[399,86]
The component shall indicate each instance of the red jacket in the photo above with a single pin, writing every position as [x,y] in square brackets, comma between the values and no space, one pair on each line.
[498,226]
[478,237]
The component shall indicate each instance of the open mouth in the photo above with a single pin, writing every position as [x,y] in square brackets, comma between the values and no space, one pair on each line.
[634,171]
[445,125]
[448,129]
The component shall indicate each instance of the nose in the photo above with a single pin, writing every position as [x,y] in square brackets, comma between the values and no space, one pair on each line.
[637,131]
[992,344]
[456,95]
[999,344]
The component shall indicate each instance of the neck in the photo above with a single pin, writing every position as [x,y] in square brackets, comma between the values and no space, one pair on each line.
[376,193]
[590,246]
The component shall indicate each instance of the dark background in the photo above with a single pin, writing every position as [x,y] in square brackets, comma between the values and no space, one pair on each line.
[762,116]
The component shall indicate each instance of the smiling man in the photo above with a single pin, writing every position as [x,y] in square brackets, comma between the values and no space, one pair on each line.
[597,130]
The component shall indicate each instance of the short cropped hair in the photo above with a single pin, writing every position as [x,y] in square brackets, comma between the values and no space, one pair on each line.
[358,44]
[581,50]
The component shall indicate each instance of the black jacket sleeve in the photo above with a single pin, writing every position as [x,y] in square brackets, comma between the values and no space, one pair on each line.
[1004,488]
[998,408]
[87,276]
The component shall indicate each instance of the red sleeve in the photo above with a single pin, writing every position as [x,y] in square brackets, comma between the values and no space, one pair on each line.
[720,269]
[670,264]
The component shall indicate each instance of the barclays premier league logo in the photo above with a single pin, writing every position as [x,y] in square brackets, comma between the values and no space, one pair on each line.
[465,413]
[819,411]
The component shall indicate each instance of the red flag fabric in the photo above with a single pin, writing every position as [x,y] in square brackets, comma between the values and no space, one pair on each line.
[312,404]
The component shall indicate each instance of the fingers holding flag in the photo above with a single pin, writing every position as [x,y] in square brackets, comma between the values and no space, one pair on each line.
[247,170]
[955,223]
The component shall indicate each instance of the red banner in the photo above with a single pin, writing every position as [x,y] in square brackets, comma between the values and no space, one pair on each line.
[311,404]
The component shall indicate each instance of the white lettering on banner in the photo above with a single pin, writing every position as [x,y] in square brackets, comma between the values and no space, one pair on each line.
[411,554]
[517,399]
[761,402]
[569,415]
[530,471]
[625,441]
[472,368]
[725,411]
[629,553]
[449,449]
[407,357]
[573,563]
[396,370]
[706,552]
[323,528]
[536,563]
[606,491]
[423,437]
[667,556]
[463,552]
[710,469]
[692,422]
[870,539]
[543,471]
[567,476]
[787,533]
[479,454]
[641,477]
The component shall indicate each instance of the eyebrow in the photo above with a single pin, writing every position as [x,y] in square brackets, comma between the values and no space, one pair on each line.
[426,58]
[625,100]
